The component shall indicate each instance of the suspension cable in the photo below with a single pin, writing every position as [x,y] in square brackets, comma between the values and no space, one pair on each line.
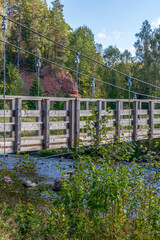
[93,60]
[82,74]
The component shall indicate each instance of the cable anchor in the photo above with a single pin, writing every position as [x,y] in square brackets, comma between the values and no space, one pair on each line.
[93,86]
[77,60]
[4,25]
[129,83]
[38,64]
[135,96]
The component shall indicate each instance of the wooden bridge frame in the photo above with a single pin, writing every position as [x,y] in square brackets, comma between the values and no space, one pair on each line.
[144,122]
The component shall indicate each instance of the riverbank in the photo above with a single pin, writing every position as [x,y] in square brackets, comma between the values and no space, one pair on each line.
[109,198]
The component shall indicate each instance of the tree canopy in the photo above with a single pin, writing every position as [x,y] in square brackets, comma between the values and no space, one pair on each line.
[51,23]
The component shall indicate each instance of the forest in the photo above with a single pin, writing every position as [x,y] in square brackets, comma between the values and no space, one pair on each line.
[51,23]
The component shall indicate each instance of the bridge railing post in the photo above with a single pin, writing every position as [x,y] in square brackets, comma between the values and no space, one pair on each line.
[77,121]
[98,116]
[86,107]
[139,115]
[18,109]
[39,119]
[151,119]
[71,123]
[135,119]
[46,122]
[12,119]
[118,119]
[66,107]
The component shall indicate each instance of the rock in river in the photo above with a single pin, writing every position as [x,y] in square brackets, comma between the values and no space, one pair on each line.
[28,184]
[7,180]
[58,181]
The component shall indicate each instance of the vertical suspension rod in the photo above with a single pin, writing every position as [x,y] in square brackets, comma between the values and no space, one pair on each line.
[38,67]
[4,27]
[77,61]
[93,90]
[129,84]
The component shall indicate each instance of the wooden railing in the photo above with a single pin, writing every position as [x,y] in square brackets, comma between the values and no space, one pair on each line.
[44,128]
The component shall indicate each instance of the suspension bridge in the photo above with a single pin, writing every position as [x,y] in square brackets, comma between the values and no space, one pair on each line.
[43,128]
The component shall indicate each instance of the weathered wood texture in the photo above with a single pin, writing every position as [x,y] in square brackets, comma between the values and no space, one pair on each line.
[43,128]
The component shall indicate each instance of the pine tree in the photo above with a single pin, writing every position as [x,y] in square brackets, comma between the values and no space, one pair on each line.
[33,91]
[82,41]
[144,55]
[17,88]
[59,31]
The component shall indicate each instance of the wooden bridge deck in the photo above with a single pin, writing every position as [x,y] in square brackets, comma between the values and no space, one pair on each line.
[43,128]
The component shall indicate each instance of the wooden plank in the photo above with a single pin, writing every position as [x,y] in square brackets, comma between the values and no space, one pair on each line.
[156,131]
[143,112]
[77,120]
[85,113]
[8,151]
[135,120]
[12,117]
[156,120]
[86,108]
[111,123]
[59,140]
[31,142]
[46,122]
[104,105]
[98,116]
[8,113]
[58,146]
[7,144]
[143,121]
[83,124]
[126,134]
[31,148]
[86,105]
[59,136]
[26,98]
[8,127]
[71,123]
[125,112]
[62,99]
[18,109]
[31,126]
[58,113]
[118,118]
[125,122]
[59,125]
[66,117]
[110,113]
[85,138]
[151,117]
[157,111]
[142,133]
[39,117]
[139,115]
[30,113]
[156,136]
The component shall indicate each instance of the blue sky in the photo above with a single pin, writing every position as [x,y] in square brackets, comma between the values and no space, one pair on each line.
[113,22]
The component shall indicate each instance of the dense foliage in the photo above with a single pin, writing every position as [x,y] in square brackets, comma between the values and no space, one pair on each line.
[51,22]
[105,199]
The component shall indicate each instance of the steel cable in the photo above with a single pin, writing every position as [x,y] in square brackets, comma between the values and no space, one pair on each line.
[82,74]
[93,60]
